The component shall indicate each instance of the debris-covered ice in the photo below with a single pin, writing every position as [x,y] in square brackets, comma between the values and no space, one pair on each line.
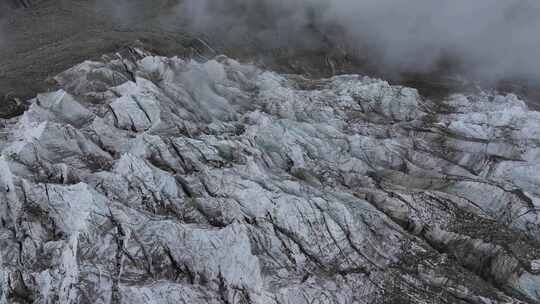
[146,179]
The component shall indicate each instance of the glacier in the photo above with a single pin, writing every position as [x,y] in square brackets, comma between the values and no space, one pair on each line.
[146,179]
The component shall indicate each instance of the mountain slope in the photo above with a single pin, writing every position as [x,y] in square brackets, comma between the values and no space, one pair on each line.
[50,36]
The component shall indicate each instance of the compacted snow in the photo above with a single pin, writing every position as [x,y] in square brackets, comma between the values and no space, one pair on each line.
[147,179]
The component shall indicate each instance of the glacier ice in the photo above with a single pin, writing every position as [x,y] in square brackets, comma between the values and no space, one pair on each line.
[146,179]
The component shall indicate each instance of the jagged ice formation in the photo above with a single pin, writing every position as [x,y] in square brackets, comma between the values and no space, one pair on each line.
[147,179]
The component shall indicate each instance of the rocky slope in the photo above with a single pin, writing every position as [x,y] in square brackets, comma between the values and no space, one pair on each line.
[40,38]
[148,179]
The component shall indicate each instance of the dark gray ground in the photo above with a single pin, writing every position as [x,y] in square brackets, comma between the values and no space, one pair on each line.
[51,36]
[40,38]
